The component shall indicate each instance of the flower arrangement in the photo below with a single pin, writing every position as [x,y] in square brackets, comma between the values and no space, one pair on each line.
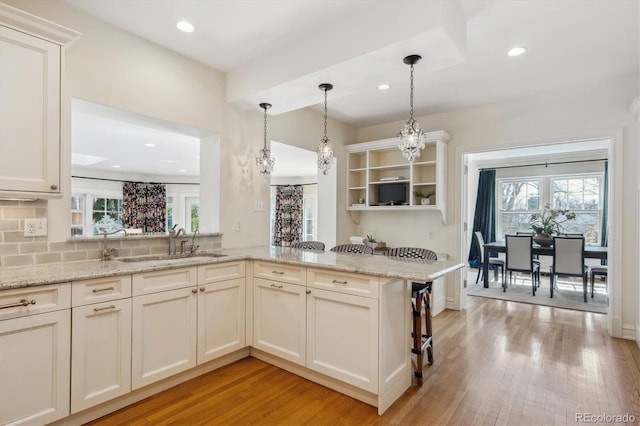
[550,221]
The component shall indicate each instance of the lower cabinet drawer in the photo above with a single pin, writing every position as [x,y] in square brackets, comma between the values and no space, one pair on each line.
[344,282]
[170,279]
[34,300]
[282,272]
[100,290]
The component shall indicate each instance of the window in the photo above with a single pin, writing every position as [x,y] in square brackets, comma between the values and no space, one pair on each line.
[192,213]
[169,217]
[519,199]
[106,214]
[77,215]
[581,195]
[309,228]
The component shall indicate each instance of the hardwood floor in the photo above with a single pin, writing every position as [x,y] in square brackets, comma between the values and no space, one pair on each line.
[497,362]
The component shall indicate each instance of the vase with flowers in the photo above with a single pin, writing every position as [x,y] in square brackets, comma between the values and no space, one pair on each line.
[549,223]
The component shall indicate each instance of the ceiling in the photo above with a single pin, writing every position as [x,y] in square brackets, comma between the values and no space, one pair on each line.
[278,51]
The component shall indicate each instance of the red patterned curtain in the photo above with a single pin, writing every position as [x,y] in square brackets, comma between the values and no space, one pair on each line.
[289,215]
[144,206]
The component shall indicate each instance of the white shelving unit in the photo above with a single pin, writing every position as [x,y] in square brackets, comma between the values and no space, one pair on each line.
[371,164]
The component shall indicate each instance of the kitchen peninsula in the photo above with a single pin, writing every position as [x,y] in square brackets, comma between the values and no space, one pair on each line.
[340,320]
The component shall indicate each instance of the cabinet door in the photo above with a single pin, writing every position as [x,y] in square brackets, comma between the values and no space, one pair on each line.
[34,368]
[221,319]
[101,353]
[163,335]
[342,337]
[279,319]
[29,113]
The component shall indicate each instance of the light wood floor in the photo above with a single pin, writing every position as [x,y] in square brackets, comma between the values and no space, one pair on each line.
[497,362]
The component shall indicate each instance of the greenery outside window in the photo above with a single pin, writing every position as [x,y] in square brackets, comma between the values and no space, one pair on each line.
[519,199]
[581,195]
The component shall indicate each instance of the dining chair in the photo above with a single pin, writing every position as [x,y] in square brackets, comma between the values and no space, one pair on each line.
[568,261]
[536,258]
[497,263]
[308,245]
[420,300]
[353,249]
[600,270]
[519,252]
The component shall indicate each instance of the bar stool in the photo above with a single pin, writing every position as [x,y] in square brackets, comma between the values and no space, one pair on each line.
[421,299]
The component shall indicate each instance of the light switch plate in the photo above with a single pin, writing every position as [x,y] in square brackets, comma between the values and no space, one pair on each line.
[35,227]
[259,206]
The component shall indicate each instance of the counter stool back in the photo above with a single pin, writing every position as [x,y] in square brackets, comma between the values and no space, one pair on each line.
[308,245]
[353,249]
[420,299]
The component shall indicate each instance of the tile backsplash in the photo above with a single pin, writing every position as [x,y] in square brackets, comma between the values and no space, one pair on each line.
[16,249]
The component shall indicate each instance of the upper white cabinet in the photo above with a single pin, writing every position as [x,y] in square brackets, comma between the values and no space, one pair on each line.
[371,165]
[31,58]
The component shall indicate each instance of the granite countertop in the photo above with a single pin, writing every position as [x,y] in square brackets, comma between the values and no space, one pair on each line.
[16,277]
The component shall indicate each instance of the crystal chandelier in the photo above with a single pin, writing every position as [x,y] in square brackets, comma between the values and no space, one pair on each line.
[263,159]
[325,149]
[411,138]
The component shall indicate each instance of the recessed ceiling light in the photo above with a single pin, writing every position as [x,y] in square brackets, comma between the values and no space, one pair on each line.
[149,144]
[171,161]
[185,26]
[116,166]
[516,51]
[182,171]
[384,87]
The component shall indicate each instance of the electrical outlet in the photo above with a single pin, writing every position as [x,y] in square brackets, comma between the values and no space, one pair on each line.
[35,227]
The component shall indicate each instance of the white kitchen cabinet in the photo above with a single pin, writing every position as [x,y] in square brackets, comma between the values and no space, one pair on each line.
[100,353]
[31,55]
[279,319]
[221,310]
[35,354]
[163,325]
[376,163]
[342,337]
[342,326]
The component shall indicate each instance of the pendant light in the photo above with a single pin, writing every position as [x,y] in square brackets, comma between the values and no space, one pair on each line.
[411,138]
[325,149]
[263,159]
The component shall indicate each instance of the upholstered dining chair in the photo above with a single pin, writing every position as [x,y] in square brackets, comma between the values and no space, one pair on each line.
[568,261]
[497,263]
[519,251]
[353,249]
[308,245]
[420,300]
[600,270]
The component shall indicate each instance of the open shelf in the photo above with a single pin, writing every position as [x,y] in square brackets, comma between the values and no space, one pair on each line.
[369,163]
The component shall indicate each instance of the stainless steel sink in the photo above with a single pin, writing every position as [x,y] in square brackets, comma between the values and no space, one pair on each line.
[158,257]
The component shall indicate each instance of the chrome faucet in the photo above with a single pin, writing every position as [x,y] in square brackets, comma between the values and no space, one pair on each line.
[193,247]
[173,234]
[109,253]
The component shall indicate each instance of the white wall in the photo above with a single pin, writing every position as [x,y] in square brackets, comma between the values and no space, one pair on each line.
[111,67]
[569,114]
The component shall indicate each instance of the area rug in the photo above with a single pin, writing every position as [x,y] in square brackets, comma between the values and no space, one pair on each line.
[567,294]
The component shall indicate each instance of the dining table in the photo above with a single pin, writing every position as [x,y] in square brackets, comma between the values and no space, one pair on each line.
[590,252]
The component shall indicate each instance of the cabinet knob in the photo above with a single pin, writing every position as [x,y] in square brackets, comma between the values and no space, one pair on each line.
[194,291]
[308,291]
[54,186]
[201,288]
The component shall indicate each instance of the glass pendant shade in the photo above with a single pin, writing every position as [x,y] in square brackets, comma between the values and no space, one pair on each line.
[264,161]
[411,139]
[325,149]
